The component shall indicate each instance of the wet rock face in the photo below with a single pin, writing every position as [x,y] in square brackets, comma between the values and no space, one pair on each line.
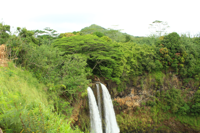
[141,88]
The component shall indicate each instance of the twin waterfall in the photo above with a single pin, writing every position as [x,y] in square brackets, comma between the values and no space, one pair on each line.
[96,119]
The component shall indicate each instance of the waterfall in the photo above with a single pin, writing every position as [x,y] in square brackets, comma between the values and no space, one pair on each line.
[95,121]
[110,119]
[99,100]
[96,112]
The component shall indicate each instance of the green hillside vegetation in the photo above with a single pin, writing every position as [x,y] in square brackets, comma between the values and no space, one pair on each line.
[25,106]
[115,35]
[64,64]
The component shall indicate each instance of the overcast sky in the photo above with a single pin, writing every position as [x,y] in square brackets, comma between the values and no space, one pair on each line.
[133,16]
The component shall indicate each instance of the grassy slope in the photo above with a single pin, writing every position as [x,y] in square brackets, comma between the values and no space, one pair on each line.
[24,105]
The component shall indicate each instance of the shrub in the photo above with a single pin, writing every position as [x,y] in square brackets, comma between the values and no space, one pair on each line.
[173,99]
[3,33]
[150,103]
[184,110]
[99,34]
[24,105]
[195,109]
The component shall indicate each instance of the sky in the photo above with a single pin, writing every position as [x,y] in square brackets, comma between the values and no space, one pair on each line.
[130,16]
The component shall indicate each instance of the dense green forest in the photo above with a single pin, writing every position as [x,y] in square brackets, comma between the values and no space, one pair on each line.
[53,69]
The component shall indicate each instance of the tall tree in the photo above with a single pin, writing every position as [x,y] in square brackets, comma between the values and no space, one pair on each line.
[46,36]
[4,33]
[101,54]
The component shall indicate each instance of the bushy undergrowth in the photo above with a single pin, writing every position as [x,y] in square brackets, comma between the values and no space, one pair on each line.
[169,106]
[174,100]
[24,106]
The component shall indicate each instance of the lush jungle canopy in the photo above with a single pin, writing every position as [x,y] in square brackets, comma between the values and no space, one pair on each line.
[55,66]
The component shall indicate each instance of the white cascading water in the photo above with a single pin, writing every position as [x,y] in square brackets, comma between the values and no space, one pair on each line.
[95,121]
[99,100]
[110,119]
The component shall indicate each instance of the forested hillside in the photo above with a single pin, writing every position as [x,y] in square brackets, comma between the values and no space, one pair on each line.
[59,67]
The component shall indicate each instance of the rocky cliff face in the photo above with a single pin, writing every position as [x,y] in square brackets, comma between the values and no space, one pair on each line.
[143,88]
[135,92]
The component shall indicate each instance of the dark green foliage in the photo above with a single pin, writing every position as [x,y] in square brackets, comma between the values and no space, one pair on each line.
[151,103]
[128,38]
[27,35]
[14,46]
[74,78]
[101,55]
[138,58]
[170,40]
[196,40]
[170,51]
[195,109]
[99,34]
[192,62]
[121,87]
[184,109]
[173,99]
[3,33]
[48,65]
[44,61]
[17,45]
[158,76]
[197,96]
[54,70]
[166,108]
[179,53]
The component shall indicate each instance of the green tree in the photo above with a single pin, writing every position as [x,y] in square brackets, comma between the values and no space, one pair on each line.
[128,38]
[51,68]
[171,52]
[16,44]
[27,35]
[3,33]
[99,34]
[101,54]
[46,36]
